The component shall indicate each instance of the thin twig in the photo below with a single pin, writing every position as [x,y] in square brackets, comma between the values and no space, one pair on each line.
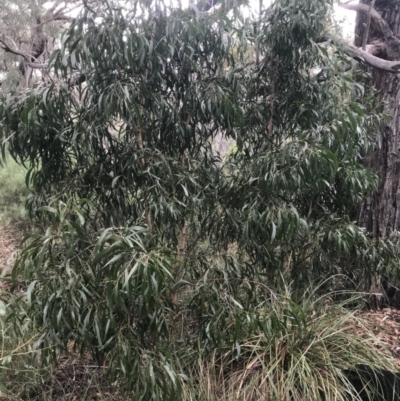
[257,40]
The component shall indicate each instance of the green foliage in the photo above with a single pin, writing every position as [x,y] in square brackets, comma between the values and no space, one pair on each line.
[13,193]
[109,292]
[154,245]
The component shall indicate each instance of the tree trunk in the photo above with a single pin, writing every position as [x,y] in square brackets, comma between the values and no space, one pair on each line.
[380,213]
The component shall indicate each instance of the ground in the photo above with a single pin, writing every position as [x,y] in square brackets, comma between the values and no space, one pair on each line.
[385,324]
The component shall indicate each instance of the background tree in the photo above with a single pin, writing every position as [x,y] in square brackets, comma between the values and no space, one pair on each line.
[380,212]
[29,32]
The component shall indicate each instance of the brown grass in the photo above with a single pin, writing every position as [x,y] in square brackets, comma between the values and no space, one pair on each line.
[10,238]
[385,325]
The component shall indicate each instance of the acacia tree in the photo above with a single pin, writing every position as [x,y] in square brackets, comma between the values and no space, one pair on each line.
[146,226]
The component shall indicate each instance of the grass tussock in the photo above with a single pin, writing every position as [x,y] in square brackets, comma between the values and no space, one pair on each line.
[300,352]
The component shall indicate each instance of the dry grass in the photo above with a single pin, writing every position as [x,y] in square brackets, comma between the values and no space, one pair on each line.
[10,239]
[385,325]
[76,378]
[302,362]
[73,378]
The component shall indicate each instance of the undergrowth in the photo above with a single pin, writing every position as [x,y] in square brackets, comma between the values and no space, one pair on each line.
[297,349]
[13,216]
[299,352]
[13,193]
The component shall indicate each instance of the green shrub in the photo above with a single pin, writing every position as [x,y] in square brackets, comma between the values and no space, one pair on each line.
[231,337]
[157,258]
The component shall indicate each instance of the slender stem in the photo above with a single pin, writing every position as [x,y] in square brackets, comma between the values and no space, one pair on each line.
[271,107]
[181,256]
[260,6]
[181,248]
[139,140]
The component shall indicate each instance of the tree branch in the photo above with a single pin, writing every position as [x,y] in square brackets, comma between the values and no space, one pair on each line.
[65,5]
[392,42]
[373,61]
[8,49]
[57,15]
[37,65]
[355,52]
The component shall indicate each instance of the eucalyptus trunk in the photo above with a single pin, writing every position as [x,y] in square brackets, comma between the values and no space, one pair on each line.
[380,213]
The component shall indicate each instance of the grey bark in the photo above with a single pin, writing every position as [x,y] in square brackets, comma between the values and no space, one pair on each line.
[380,212]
